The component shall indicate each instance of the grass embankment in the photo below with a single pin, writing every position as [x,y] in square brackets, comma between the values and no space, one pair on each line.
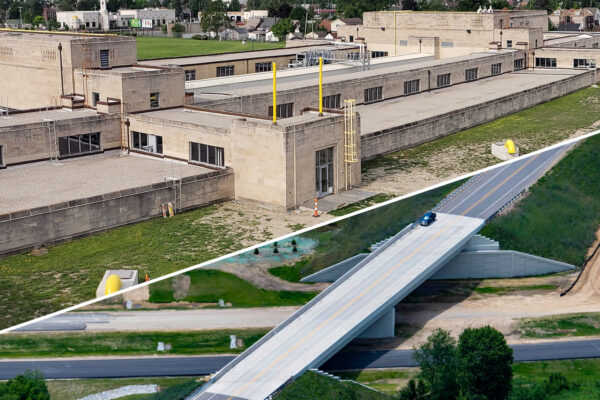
[580,324]
[32,286]
[531,129]
[162,47]
[73,389]
[314,386]
[19,345]
[208,286]
[559,217]
[344,239]
[509,289]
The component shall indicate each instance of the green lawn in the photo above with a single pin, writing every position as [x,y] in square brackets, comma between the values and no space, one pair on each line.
[508,289]
[32,286]
[73,389]
[531,129]
[585,324]
[208,286]
[314,386]
[68,344]
[149,47]
[559,217]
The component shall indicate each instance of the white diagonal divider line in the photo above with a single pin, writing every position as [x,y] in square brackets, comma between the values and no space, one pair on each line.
[301,231]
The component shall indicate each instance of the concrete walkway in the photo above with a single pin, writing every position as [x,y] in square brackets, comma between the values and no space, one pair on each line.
[341,199]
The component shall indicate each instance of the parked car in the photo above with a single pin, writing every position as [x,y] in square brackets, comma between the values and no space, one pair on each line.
[427,219]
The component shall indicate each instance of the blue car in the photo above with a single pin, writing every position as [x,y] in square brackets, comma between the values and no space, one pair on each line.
[427,219]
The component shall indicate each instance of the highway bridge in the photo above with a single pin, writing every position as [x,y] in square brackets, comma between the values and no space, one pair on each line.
[361,297]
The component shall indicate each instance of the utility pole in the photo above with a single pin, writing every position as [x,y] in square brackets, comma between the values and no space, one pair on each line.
[20,17]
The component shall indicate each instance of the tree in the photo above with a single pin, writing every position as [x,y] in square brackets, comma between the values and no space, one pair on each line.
[234,6]
[282,28]
[39,20]
[213,17]
[414,391]
[356,8]
[29,385]
[298,13]
[409,5]
[471,5]
[486,362]
[541,5]
[438,362]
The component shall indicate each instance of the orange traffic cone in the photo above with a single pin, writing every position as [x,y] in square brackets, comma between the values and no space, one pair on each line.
[147,279]
[316,214]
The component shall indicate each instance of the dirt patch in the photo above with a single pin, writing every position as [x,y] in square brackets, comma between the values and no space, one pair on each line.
[181,285]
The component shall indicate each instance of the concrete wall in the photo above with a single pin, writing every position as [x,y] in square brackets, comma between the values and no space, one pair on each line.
[354,86]
[30,64]
[25,143]
[412,134]
[498,264]
[447,34]
[27,229]
[565,56]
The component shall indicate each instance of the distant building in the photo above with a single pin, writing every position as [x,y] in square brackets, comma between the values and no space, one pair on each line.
[583,19]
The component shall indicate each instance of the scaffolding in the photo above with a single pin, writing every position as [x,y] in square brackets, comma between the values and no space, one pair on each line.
[174,174]
[52,139]
[350,156]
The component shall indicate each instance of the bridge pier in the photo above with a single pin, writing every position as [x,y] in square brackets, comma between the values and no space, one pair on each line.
[382,328]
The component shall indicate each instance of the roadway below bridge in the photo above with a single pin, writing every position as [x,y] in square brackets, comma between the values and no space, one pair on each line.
[129,367]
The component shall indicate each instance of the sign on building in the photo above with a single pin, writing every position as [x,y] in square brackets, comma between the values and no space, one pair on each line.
[135,23]
[147,23]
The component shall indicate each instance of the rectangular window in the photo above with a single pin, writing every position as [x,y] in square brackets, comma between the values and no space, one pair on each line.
[263,66]
[496,69]
[190,74]
[104,59]
[411,86]
[447,44]
[403,43]
[519,64]
[377,54]
[225,71]
[95,98]
[509,44]
[471,74]
[207,154]
[333,101]
[153,100]
[69,146]
[373,94]
[354,55]
[443,80]
[146,142]
[583,63]
[545,62]
[283,110]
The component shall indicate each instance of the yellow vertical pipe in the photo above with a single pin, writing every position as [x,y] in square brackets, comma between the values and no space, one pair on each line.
[274,93]
[320,85]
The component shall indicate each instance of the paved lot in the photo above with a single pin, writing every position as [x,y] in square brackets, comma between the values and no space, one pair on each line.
[40,184]
[390,113]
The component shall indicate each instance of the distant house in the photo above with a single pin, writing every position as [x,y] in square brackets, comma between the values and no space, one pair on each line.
[259,36]
[316,35]
[587,18]
[233,33]
[326,23]
[344,22]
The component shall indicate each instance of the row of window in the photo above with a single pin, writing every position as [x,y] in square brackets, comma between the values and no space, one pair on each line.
[283,110]
[154,99]
[69,146]
[199,152]
[545,62]
[583,63]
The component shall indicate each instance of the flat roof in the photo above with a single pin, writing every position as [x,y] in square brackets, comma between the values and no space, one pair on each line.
[395,112]
[219,120]
[567,39]
[41,184]
[242,55]
[265,86]
[34,117]
[58,36]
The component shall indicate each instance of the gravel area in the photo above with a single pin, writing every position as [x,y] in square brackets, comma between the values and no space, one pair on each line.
[40,184]
[122,392]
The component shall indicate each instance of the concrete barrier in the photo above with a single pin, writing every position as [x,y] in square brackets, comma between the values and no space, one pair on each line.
[43,226]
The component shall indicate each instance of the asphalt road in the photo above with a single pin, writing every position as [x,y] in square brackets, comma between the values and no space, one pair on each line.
[493,189]
[205,365]
[351,306]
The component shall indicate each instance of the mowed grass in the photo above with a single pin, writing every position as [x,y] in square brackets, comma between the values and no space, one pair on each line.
[559,217]
[162,47]
[344,239]
[73,389]
[208,286]
[508,289]
[531,129]
[32,286]
[314,386]
[580,324]
[69,344]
